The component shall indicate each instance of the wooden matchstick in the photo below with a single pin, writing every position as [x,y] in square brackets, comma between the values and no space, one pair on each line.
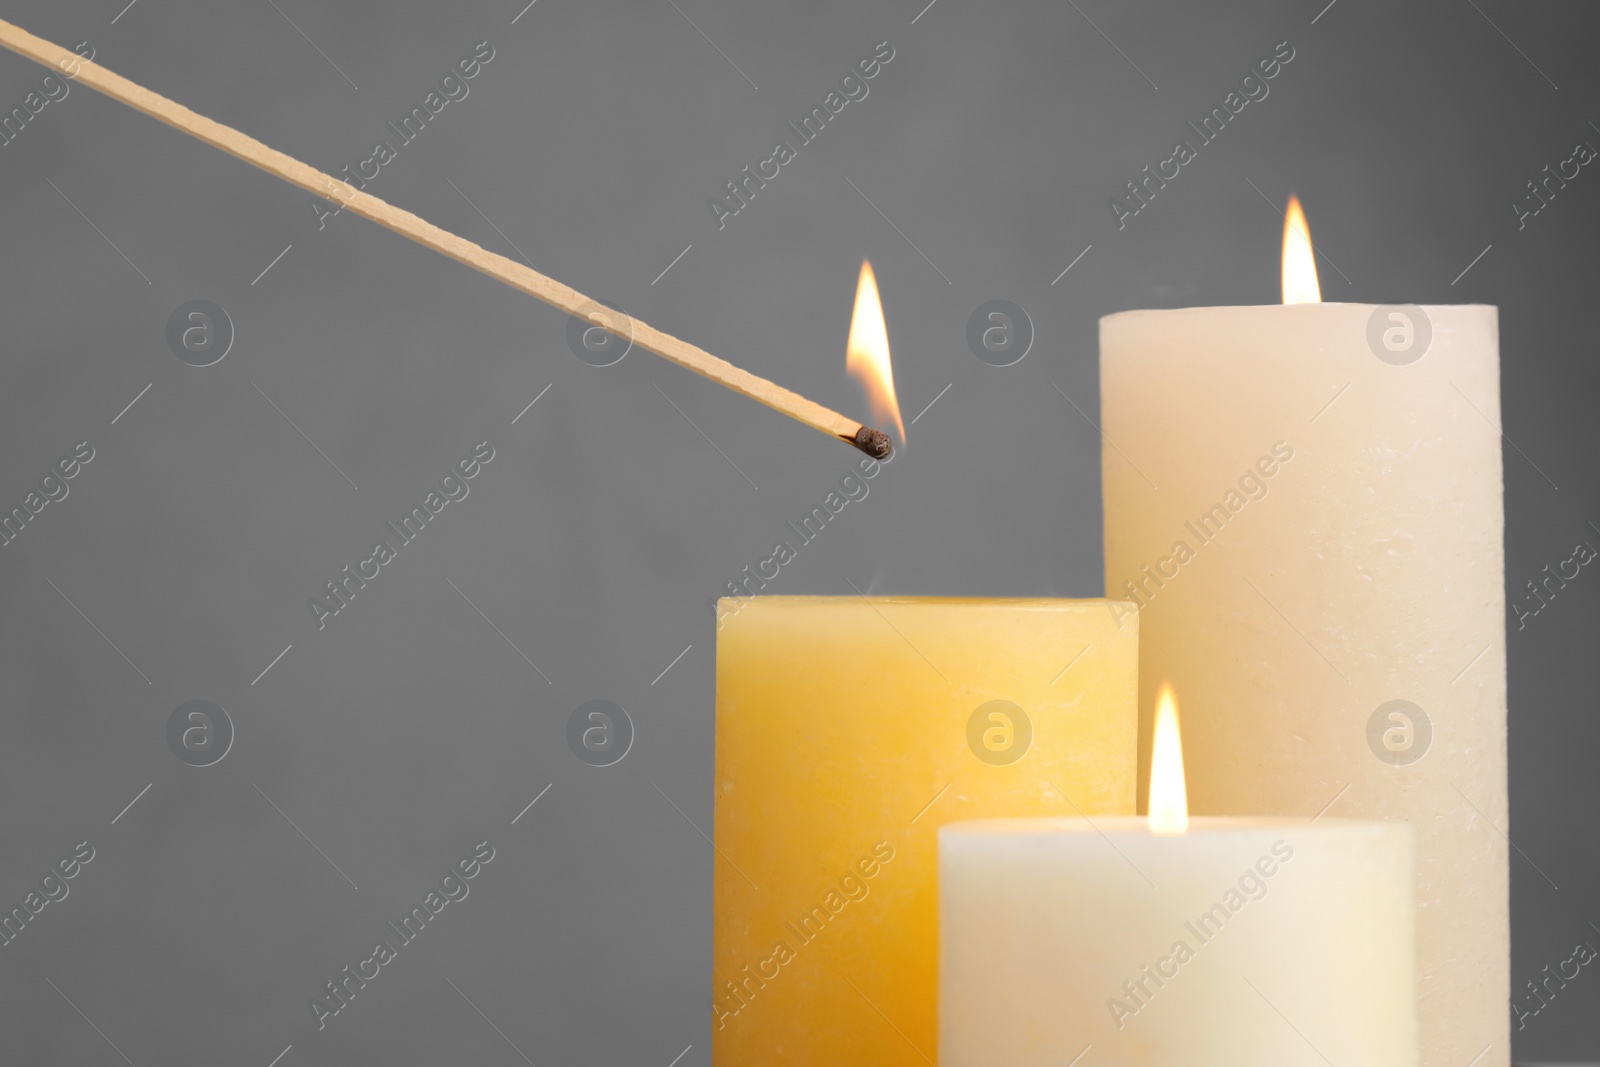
[519,276]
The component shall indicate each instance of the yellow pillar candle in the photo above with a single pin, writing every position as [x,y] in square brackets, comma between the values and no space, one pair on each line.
[1306,500]
[1206,942]
[848,730]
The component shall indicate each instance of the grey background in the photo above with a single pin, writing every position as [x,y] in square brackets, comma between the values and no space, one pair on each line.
[409,728]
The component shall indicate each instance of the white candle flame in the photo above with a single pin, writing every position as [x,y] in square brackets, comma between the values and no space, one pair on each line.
[1169,798]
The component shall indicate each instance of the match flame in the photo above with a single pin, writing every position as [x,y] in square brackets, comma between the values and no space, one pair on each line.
[1169,799]
[867,353]
[1299,263]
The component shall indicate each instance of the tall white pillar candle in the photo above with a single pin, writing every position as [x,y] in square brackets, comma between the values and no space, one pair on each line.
[1305,501]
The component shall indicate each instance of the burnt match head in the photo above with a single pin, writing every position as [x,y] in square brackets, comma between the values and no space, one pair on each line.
[874,443]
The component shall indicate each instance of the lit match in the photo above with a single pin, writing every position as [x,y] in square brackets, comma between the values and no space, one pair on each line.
[523,278]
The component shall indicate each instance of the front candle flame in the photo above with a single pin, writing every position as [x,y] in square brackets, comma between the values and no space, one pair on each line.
[1169,799]
[1299,262]
[867,353]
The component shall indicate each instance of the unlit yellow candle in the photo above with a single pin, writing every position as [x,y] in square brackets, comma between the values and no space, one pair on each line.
[1306,500]
[848,730]
[1238,943]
